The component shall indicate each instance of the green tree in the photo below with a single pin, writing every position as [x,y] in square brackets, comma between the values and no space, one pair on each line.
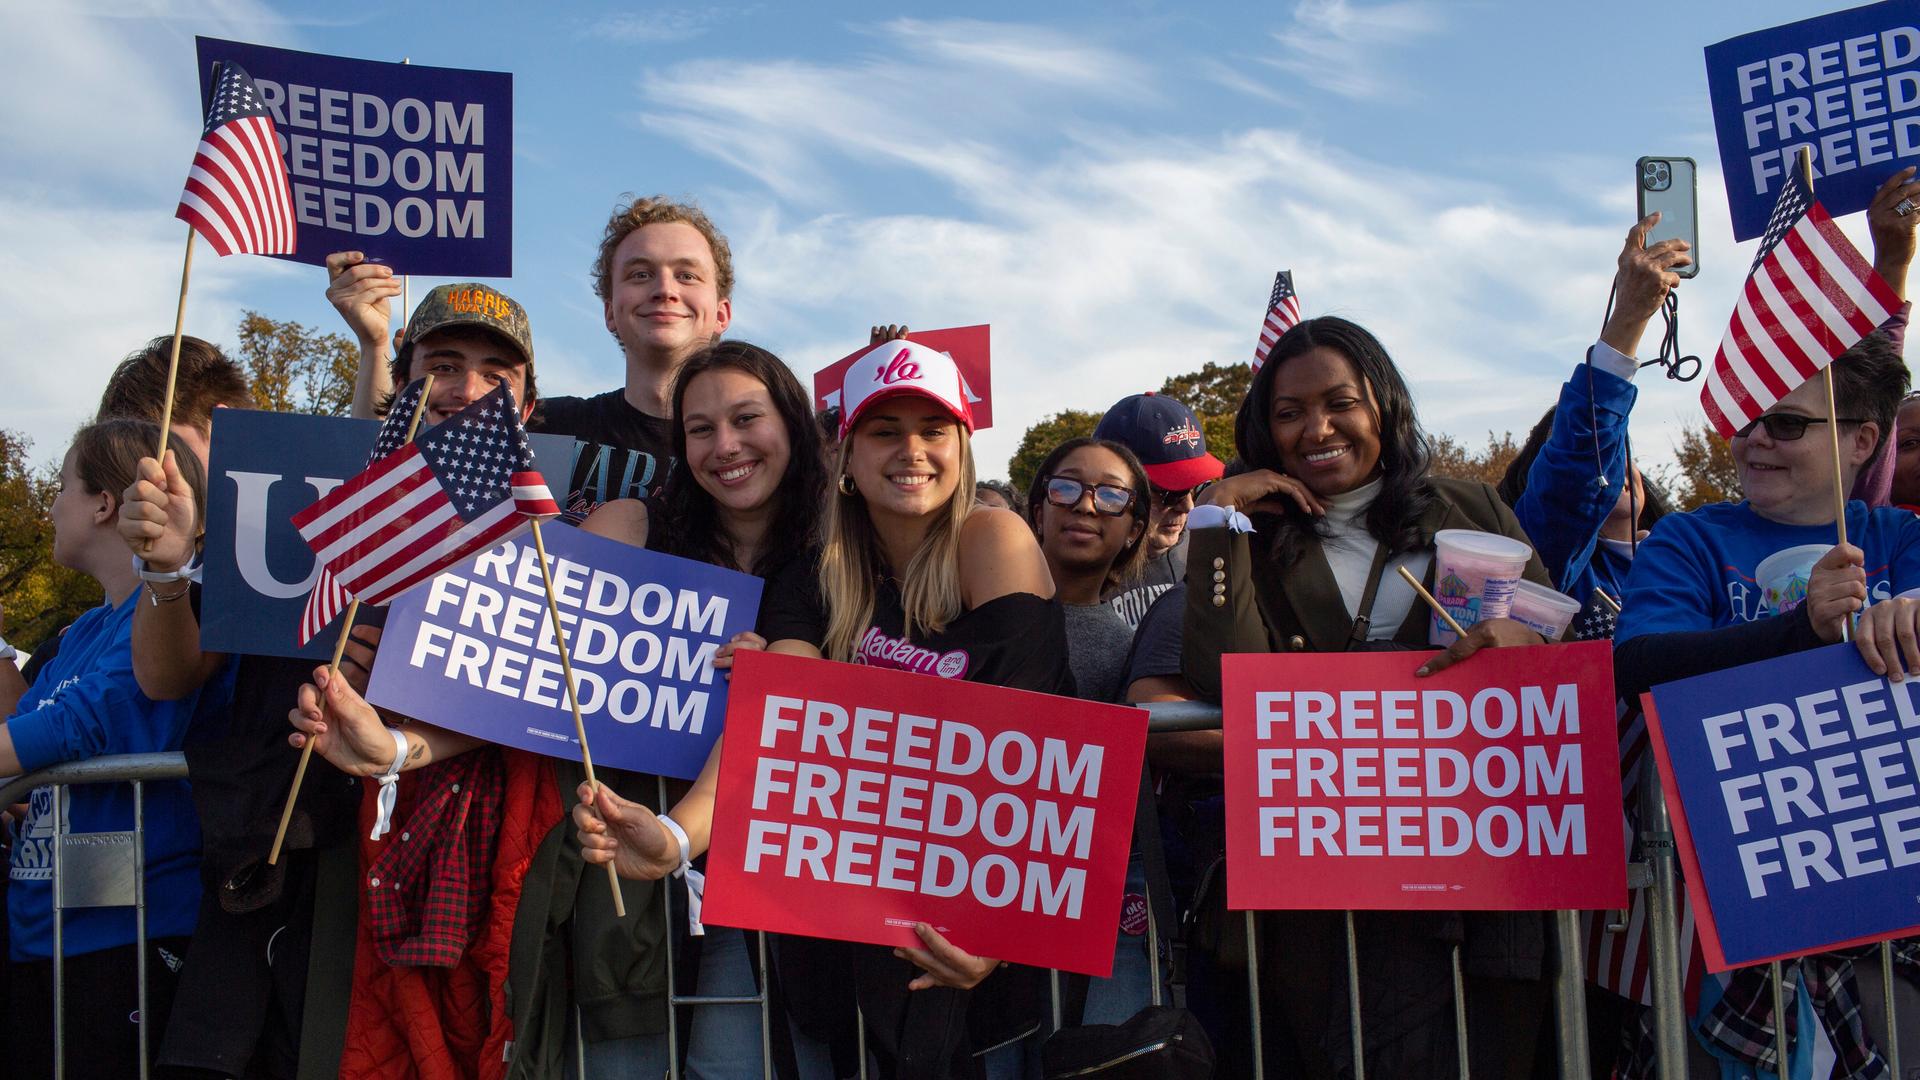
[1040,440]
[1453,459]
[36,596]
[1703,470]
[1214,394]
[296,368]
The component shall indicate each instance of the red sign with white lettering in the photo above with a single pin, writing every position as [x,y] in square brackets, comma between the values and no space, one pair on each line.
[968,345]
[1493,785]
[855,802]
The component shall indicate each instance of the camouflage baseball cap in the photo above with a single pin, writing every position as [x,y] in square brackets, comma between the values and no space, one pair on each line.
[469,303]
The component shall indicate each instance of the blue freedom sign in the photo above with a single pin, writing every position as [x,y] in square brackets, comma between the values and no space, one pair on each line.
[264,467]
[1799,803]
[411,164]
[1846,86]
[474,650]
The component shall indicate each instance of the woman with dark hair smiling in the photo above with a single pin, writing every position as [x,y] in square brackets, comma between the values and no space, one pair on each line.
[746,494]
[1340,499]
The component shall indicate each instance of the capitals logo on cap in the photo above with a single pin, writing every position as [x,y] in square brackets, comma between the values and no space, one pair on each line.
[1185,433]
[903,367]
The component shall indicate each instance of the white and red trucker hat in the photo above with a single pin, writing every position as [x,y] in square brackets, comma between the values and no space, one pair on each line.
[902,367]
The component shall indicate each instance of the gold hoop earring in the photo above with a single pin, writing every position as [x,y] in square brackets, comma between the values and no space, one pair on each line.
[846,485]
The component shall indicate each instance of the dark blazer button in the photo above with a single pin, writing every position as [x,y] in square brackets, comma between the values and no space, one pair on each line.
[1296,643]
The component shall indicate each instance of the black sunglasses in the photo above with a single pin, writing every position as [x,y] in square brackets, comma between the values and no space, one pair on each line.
[1169,496]
[1107,498]
[1786,427]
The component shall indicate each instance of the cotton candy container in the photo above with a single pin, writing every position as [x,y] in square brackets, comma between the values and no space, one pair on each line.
[1783,576]
[1474,577]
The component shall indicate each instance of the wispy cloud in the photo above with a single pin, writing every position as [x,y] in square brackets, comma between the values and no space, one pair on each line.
[1107,259]
[657,26]
[1346,48]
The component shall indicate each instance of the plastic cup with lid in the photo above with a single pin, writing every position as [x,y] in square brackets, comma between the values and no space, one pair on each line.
[1474,576]
[1542,610]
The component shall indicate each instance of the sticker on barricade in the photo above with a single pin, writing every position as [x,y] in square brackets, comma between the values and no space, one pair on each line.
[855,802]
[1794,786]
[1493,785]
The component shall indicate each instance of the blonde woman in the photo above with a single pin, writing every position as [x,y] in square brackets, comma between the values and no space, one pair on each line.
[914,575]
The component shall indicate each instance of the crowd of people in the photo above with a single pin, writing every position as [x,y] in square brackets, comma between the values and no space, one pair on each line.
[440,910]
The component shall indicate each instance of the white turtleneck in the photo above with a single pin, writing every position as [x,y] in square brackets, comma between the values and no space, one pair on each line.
[1350,549]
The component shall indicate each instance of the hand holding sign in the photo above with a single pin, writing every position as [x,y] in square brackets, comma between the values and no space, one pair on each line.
[158,519]
[1887,631]
[360,291]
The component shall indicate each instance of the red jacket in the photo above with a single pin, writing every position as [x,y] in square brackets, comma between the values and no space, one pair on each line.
[447,1023]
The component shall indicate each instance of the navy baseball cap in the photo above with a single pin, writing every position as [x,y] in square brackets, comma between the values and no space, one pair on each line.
[1165,436]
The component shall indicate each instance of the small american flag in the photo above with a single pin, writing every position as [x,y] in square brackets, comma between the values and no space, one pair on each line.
[1809,298]
[328,599]
[1283,310]
[236,196]
[461,488]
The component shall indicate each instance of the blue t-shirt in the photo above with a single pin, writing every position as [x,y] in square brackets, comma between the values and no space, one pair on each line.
[83,704]
[1725,564]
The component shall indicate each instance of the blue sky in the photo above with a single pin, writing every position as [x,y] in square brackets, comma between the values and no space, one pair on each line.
[1110,185]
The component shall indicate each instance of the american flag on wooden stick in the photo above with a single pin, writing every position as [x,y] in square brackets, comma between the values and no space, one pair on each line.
[1283,310]
[461,488]
[1809,297]
[328,599]
[236,196]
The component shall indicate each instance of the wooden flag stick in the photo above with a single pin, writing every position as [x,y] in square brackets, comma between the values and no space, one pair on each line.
[1431,602]
[1833,416]
[173,357]
[333,666]
[579,726]
[173,361]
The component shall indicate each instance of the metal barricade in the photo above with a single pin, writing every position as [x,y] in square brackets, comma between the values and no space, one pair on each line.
[103,869]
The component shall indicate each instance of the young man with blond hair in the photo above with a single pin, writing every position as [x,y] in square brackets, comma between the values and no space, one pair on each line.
[664,276]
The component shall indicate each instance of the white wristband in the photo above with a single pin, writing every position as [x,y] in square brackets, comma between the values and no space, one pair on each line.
[696,881]
[182,572]
[383,820]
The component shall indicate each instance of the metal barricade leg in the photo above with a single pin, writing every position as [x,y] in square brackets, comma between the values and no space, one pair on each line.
[666,909]
[1253,1000]
[1570,997]
[1779,1019]
[860,1034]
[1663,929]
[766,1010]
[1053,994]
[1353,1002]
[140,920]
[59,946]
[1893,1024]
[1460,1014]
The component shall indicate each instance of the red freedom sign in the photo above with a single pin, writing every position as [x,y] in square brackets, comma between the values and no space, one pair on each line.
[855,802]
[1494,785]
[969,347]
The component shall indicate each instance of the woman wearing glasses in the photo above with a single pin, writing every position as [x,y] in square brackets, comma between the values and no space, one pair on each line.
[1738,582]
[1089,509]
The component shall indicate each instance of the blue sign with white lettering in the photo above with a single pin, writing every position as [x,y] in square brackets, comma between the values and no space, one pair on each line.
[1799,799]
[263,468]
[474,650]
[411,164]
[1846,86]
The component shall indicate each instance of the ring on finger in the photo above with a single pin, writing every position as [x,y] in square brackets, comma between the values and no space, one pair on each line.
[1905,207]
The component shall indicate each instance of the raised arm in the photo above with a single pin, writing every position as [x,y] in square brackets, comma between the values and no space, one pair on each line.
[360,290]
[158,522]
